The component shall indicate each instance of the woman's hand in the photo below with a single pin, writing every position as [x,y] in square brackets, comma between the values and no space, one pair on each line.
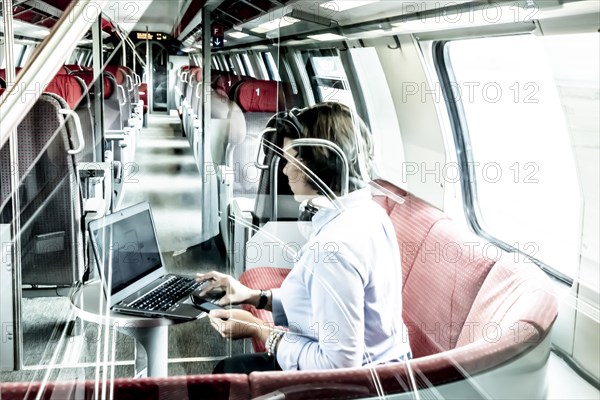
[235,292]
[238,324]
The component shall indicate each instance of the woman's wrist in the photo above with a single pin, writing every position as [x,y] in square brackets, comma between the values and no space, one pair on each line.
[254,298]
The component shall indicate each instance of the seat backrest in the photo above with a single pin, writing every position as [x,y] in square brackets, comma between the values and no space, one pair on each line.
[112,108]
[74,91]
[259,100]
[125,105]
[51,234]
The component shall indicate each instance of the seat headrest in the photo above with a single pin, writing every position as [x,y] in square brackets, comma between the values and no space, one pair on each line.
[63,70]
[73,67]
[260,96]
[197,73]
[88,78]
[67,87]
[117,72]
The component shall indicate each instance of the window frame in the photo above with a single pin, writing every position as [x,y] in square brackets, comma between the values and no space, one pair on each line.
[468,183]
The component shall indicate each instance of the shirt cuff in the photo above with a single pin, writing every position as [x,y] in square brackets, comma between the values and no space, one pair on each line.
[288,351]
[279,317]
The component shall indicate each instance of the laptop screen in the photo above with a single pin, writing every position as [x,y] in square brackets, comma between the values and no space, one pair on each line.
[126,246]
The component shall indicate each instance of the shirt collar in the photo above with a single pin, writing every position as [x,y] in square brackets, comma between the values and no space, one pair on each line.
[351,200]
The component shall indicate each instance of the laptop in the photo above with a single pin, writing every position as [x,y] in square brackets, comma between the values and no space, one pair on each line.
[133,272]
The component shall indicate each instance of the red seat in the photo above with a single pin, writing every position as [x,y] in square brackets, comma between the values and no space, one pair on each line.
[468,307]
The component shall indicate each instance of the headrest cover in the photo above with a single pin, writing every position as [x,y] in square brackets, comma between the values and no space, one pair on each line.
[88,78]
[67,87]
[117,73]
[73,67]
[260,96]
[63,70]
[197,71]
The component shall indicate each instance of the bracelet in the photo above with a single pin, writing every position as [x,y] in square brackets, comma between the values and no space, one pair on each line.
[263,300]
[272,342]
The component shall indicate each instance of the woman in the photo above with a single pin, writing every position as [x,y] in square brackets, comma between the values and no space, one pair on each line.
[342,300]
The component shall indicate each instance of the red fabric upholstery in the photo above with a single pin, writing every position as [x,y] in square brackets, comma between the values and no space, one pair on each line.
[117,73]
[88,78]
[217,387]
[63,70]
[468,308]
[73,67]
[224,82]
[262,278]
[260,96]
[440,288]
[67,87]
[197,73]
[3,73]
[144,96]
[513,291]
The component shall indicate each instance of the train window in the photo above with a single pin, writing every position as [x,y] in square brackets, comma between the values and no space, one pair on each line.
[18,52]
[290,75]
[271,66]
[329,79]
[248,65]
[229,63]
[523,177]
[261,66]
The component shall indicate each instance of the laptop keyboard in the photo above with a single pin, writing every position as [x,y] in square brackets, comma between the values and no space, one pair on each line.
[166,295]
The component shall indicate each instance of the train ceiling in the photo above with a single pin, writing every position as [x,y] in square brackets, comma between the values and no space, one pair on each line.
[244,21]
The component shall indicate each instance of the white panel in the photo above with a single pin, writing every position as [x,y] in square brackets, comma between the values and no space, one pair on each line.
[6,301]
[277,244]
[415,105]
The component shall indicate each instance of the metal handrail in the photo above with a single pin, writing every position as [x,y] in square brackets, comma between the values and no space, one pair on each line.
[78,129]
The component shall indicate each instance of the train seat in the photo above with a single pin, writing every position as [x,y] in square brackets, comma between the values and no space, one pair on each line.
[74,91]
[259,100]
[180,87]
[191,108]
[120,147]
[471,310]
[123,90]
[73,68]
[51,210]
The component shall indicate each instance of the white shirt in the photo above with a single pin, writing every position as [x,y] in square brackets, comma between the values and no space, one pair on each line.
[343,299]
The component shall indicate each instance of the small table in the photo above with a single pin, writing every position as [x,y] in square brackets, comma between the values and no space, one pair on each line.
[90,305]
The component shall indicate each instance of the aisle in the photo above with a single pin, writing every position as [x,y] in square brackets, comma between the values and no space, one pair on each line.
[165,175]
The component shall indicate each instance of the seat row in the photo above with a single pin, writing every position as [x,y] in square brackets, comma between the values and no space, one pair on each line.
[479,324]
[230,158]
[66,170]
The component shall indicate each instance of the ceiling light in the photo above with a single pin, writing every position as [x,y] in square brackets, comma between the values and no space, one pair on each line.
[340,6]
[275,24]
[324,37]
[40,32]
[238,35]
